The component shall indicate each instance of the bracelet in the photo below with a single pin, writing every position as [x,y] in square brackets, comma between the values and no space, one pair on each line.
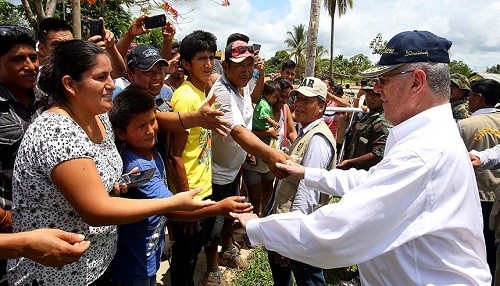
[180,120]
[4,216]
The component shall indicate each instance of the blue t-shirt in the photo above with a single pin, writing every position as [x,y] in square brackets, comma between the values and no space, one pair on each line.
[140,244]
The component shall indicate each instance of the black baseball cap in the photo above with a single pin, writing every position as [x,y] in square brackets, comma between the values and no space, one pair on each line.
[144,57]
[411,47]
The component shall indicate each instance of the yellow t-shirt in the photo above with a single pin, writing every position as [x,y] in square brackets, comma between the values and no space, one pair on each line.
[197,154]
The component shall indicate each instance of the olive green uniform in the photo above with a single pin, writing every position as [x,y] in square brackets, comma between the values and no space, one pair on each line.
[368,135]
[460,109]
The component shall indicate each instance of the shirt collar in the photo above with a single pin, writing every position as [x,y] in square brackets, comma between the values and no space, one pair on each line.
[5,94]
[438,113]
[485,110]
[225,81]
[311,125]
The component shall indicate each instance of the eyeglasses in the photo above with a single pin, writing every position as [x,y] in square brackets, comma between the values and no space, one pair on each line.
[242,49]
[385,79]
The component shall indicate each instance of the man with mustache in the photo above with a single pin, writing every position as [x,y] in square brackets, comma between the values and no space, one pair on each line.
[18,70]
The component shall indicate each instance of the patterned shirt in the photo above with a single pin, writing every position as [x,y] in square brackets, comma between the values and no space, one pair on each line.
[37,203]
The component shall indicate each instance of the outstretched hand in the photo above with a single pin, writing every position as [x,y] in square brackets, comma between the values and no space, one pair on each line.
[244,218]
[292,168]
[184,201]
[54,247]
[210,118]
[234,204]
[476,162]
[276,157]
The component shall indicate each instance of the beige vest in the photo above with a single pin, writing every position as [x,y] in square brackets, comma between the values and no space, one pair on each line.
[287,188]
[481,132]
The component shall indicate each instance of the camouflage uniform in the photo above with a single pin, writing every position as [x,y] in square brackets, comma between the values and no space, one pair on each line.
[460,109]
[368,135]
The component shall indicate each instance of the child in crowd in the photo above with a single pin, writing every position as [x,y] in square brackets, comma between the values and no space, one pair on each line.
[140,244]
[263,117]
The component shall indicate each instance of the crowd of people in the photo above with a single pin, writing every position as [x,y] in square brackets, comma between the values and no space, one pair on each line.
[390,187]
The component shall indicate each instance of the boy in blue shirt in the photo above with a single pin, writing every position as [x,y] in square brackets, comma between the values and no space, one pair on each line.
[140,244]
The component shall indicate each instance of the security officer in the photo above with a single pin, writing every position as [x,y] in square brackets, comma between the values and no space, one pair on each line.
[459,90]
[366,139]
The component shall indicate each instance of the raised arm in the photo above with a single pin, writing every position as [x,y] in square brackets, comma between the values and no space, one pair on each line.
[135,29]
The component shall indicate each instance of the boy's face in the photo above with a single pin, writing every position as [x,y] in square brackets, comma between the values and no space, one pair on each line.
[273,97]
[141,132]
[200,67]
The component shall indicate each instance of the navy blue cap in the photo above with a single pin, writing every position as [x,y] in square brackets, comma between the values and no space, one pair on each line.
[411,47]
[144,57]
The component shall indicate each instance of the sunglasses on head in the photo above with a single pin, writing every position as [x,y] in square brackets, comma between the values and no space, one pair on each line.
[242,49]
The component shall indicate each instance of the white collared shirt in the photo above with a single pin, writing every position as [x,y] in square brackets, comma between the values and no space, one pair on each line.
[412,219]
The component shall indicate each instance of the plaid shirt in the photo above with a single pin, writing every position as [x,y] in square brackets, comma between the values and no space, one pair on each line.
[14,120]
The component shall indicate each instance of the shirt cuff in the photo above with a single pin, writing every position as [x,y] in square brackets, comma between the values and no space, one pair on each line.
[481,157]
[253,232]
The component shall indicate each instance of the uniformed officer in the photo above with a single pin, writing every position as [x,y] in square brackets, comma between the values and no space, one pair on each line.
[459,90]
[366,139]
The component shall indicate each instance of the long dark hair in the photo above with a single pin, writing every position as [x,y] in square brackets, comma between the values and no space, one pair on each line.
[73,58]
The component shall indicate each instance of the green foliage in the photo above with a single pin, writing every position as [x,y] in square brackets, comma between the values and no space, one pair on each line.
[460,67]
[493,69]
[378,45]
[259,272]
[337,5]
[296,41]
[116,17]
[12,14]
[153,38]
[273,65]
[349,68]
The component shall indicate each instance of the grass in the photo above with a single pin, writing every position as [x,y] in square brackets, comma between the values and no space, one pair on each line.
[259,272]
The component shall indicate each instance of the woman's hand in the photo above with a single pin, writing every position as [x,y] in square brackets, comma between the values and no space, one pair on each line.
[54,247]
[184,201]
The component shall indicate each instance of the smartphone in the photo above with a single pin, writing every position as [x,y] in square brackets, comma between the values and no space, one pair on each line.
[256,49]
[155,21]
[97,28]
[136,179]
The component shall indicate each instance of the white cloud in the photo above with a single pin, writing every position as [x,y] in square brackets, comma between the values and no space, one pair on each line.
[472,26]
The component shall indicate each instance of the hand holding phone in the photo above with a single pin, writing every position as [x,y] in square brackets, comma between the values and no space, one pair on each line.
[136,179]
[155,21]
[97,28]
[256,49]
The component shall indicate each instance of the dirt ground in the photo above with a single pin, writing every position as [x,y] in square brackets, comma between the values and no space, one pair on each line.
[163,275]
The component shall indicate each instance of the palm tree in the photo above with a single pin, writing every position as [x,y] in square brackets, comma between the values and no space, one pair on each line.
[332,6]
[296,41]
[312,37]
[321,52]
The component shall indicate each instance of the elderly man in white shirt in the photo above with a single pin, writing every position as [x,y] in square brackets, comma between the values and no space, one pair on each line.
[415,217]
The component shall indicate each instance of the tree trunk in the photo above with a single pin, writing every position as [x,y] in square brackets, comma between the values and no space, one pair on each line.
[40,11]
[332,34]
[77,19]
[312,37]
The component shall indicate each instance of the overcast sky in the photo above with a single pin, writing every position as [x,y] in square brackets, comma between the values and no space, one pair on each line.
[472,26]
